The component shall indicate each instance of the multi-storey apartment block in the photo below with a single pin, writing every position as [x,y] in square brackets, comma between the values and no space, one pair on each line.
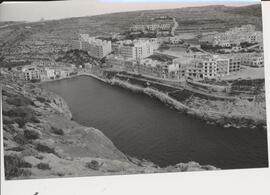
[252,59]
[222,66]
[234,61]
[30,73]
[95,47]
[136,50]
[235,36]
[119,63]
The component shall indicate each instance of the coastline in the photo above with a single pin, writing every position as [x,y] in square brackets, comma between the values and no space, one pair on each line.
[47,144]
[210,117]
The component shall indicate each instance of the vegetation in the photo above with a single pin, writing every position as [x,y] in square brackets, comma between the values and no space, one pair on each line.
[163,47]
[22,115]
[14,167]
[95,165]
[42,99]
[246,44]
[210,47]
[57,131]
[139,34]
[19,100]
[162,58]
[43,166]
[77,57]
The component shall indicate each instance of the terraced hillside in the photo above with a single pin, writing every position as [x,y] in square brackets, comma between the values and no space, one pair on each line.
[20,41]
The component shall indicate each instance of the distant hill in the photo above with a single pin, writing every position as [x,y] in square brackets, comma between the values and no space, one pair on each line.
[251,10]
[59,33]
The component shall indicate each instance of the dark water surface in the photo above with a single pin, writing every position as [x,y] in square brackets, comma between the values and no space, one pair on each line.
[144,127]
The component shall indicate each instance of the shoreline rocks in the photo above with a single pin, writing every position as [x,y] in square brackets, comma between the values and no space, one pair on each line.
[216,118]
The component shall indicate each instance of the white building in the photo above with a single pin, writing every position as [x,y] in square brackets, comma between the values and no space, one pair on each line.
[136,50]
[237,35]
[47,73]
[252,59]
[119,63]
[95,47]
[223,66]
[30,73]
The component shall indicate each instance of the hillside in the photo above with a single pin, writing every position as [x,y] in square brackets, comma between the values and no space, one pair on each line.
[55,35]
[41,140]
[251,10]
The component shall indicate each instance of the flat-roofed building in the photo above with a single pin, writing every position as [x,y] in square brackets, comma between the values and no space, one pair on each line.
[234,61]
[237,35]
[30,73]
[136,50]
[119,63]
[96,48]
[222,66]
[150,67]
[252,59]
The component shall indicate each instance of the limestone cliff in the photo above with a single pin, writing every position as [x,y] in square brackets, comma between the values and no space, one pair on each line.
[41,140]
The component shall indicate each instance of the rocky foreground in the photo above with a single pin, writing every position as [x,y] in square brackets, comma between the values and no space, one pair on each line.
[41,140]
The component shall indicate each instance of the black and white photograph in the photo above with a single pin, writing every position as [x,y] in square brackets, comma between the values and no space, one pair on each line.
[100,88]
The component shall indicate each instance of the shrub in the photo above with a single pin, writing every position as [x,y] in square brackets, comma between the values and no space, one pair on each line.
[57,131]
[20,112]
[32,134]
[43,166]
[43,147]
[20,139]
[22,115]
[20,121]
[34,119]
[41,99]
[17,148]
[93,165]
[7,120]
[19,101]
[13,165]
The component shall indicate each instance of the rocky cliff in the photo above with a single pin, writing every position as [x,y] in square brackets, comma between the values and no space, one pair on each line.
[41,140]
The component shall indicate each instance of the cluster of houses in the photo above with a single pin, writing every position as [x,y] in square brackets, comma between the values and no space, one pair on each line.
[234,36]
[189,66]
[160,26]
[146,27]
[41,71]
[134,49]
[135,56]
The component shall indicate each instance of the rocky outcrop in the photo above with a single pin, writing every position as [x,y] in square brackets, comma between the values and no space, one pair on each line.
[41,140]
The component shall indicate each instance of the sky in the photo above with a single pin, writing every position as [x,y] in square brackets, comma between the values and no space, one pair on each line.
[34,11]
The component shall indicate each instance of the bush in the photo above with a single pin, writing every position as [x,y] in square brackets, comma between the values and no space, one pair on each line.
[43,166]
[20,139]
[32,134]
[19,101]
[57,131]
[21,122]
[44,147]
[22,115]
[7,120]
[41,99]
[17,148]
[20,112]
[34,119]
[93,165]
[13,167]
